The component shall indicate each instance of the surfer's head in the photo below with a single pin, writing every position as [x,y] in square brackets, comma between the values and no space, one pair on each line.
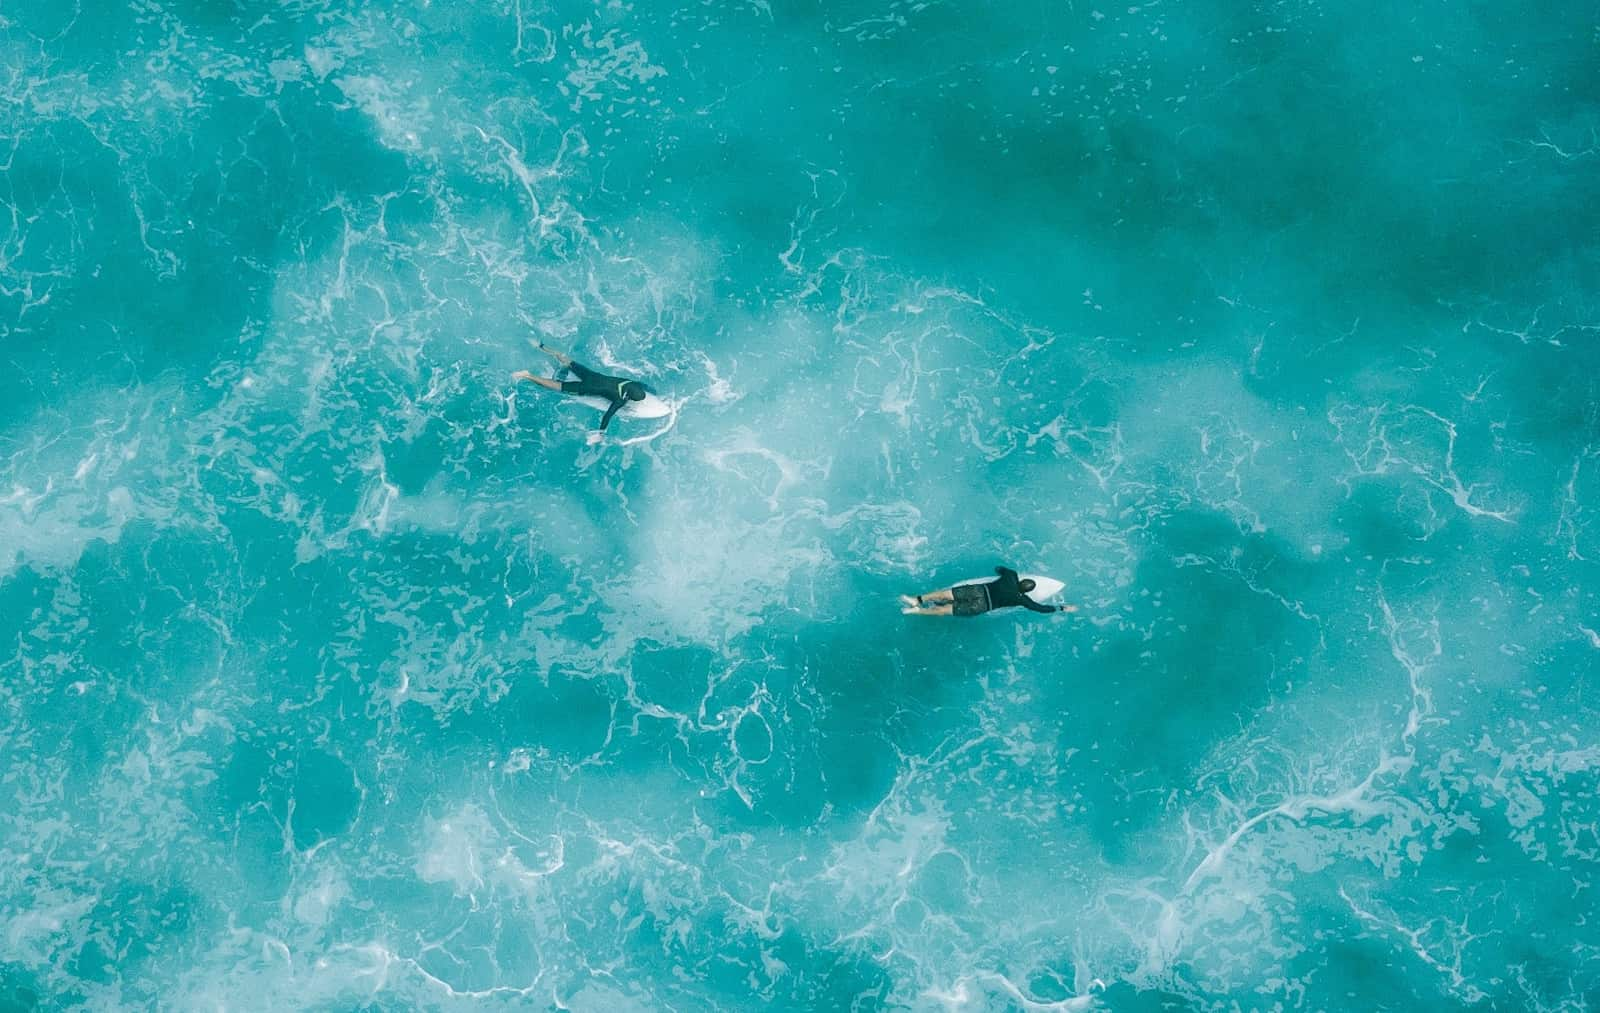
[1026,585]
[635,391]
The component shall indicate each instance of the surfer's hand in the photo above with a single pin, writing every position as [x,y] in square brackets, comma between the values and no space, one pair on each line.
[1066,608]
[594,438]
[520,375]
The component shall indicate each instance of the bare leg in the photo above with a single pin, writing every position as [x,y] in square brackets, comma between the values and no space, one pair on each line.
[934,603]
[561,358]
[545,382]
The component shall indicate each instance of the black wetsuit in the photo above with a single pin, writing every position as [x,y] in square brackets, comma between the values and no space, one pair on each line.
[613,388]
[1003,592]
[1007,592]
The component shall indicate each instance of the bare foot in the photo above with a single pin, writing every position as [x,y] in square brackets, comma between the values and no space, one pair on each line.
[906,599]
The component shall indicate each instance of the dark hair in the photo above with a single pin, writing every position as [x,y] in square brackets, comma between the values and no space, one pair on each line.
[636,392]
[1026,585]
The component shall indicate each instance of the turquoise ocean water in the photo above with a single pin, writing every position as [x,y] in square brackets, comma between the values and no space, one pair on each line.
[336,676]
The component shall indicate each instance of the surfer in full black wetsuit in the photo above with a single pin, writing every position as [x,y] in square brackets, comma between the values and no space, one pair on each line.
[1005,591]
[619,390]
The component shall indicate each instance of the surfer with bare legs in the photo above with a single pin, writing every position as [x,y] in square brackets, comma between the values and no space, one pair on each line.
[1006,591]
[618,390]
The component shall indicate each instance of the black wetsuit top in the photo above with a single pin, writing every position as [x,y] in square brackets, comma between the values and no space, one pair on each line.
[591,384]
[1006,592]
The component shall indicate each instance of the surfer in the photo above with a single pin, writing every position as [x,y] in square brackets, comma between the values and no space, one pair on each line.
[618,390]
[1005,591]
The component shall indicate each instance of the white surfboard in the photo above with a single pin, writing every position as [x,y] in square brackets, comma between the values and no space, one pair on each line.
[651,407]
[1044,587]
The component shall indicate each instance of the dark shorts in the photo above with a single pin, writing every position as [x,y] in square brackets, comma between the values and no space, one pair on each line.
[971,600]
[589,382]
[594,384]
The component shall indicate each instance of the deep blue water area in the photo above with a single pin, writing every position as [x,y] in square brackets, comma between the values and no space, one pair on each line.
[338,671]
